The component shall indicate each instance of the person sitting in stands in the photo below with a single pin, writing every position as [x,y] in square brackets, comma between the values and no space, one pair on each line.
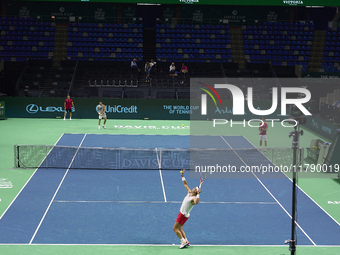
[172,69]
[184,69]
[134,63]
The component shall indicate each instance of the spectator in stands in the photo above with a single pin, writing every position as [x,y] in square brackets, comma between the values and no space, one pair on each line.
[184,69]
[134,64]
[152,64]
[172,69]
[147,71]
[26,92]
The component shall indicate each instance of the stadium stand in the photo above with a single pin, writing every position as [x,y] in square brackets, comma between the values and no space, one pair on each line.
[23,38]
[104,42]
[193,43]
[282,43]
[331,55]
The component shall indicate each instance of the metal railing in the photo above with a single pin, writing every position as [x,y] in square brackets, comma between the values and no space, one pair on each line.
[73,78]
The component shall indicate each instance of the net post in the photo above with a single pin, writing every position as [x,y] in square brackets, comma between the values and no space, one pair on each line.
[45,156]
[15,156]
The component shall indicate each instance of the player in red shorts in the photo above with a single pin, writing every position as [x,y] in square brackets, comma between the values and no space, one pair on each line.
[68,104]
[191,199]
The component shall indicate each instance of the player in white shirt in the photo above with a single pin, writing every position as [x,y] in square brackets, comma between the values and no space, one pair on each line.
[102,114]
[191,199]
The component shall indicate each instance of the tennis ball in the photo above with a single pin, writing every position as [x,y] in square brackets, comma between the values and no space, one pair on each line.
[181,172]
[182,125]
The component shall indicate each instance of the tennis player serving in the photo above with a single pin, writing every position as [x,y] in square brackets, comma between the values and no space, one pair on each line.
[102,113]
[191,199]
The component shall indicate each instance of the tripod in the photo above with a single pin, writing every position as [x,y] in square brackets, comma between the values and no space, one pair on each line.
[295,134]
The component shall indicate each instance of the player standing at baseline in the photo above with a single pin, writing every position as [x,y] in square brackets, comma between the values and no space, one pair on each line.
[191,199]
[102,114]
[263,133]
[68,104]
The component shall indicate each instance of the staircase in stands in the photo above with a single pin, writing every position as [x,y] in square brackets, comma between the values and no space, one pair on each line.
[237,51]
[60,43]
[317,49]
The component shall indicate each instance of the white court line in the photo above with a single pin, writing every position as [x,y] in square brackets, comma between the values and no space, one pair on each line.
[310,239]
[138,244]
[299,188]
[161,202]
[61,182]
[159,160]
[29,179]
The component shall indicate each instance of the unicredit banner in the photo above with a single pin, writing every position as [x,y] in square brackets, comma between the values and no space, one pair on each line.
[85,108]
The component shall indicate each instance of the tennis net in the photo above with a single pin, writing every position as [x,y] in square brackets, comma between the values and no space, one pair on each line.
[48,156]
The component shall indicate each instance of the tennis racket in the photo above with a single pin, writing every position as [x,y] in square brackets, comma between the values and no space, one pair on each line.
[203,176]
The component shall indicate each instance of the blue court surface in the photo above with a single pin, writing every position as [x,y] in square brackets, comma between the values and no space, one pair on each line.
[79,206]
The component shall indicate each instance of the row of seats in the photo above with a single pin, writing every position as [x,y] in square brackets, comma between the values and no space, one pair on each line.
[27,33]
[187,26]
[105,40]
[22,30]
[26,54]
[288,23]
[27,43]
[277,52]
[197,56]
[108,56]
[104,44]
[194,46]
[170,50]
[26,24]
[278,57]
[11,18]
[99,25]
[26,48]
[277,47]
[192,32]
[95,34]
[276,42]
[283,32]
[307,37]
[104,49]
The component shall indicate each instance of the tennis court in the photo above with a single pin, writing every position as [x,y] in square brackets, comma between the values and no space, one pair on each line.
[88,206]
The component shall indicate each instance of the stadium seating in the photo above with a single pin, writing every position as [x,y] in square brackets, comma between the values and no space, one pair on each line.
[331,55]
[23,38]
[104,42]
[193,43]
[282,43]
